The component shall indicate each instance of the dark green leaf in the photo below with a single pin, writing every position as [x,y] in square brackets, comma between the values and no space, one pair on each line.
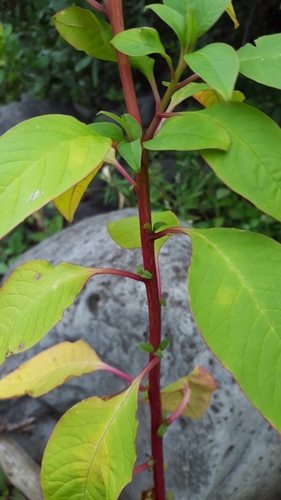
[146,347]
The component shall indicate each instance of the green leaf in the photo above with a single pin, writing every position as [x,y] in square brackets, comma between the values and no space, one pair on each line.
[188,132]
[186,92]
[164,344]
[133,126]
[163,302]
[108,130]
[234,284]
[218,65]
[145,65]
[131,152]
[85,31]
[50,369]
[126,232]
[42,158]
[262,62]
[91,452]
[251,166]
[130,125]
[146,347]
[33,299]
[158,353]
[203,93]
[171,17]
[162,429]
[207,12]
[138,42]
[158,225]
[146,274]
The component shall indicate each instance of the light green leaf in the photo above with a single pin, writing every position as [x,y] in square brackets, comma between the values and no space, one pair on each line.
[186,92]
[188,132]
[218,65]
[130,125]
[91,452]
[85,31]
[107,129]
[207,12]
[234,284]
[131,152]
[138,42]
[251,165]
[171,17]
[262,62]
[33,300]
[126,232]
[42,158]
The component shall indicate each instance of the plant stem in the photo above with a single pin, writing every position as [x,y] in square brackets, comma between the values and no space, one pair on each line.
[154,307]
[181,407]
[121,272]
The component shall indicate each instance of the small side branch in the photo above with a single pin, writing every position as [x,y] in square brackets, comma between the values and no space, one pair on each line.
[185,82]
[97,6]
[121,272]
[168,232]
[181,407]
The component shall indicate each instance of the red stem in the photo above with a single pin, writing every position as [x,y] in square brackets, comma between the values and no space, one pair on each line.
[154,308]
[141,468]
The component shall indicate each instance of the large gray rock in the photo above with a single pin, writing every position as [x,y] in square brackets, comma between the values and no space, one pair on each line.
[231,453]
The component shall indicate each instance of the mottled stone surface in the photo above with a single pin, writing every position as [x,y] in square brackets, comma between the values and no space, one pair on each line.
[231,453]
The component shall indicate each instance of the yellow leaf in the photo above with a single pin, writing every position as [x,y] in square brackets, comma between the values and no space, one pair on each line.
[230,11]
[201,384]
[209,97]
[50,369]
[68,202]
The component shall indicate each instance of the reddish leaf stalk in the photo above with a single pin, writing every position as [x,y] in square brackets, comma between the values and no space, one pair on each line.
[141,468]
[181,407]
[96,5]
[120,374]
[121,272]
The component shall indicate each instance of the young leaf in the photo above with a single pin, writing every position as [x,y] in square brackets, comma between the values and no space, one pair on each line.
[146,274]
[133,127]
[158,225]
[107,129]
[42,158]
[146,347]
[50,369]
[126,232]
[162,429]
[138,42]
[33,300]
[68,202]
[145,65]
[188,132]
[139,270]
[131,152]
[85,31]
[171,17]
[218,65]
[186,92]
[207,12]
[262,62]
[236,304]
[231,12]
[93,446]
[164,344]
[251,165]
[163,302]
[158,353]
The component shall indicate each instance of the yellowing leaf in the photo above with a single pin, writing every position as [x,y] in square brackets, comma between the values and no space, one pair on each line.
[68,202]
[91,452]
[209,97]
[230,11]
[201,384]
[50,369]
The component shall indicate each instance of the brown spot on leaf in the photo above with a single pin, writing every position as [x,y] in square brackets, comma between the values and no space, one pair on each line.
[21,346]
[38,276]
